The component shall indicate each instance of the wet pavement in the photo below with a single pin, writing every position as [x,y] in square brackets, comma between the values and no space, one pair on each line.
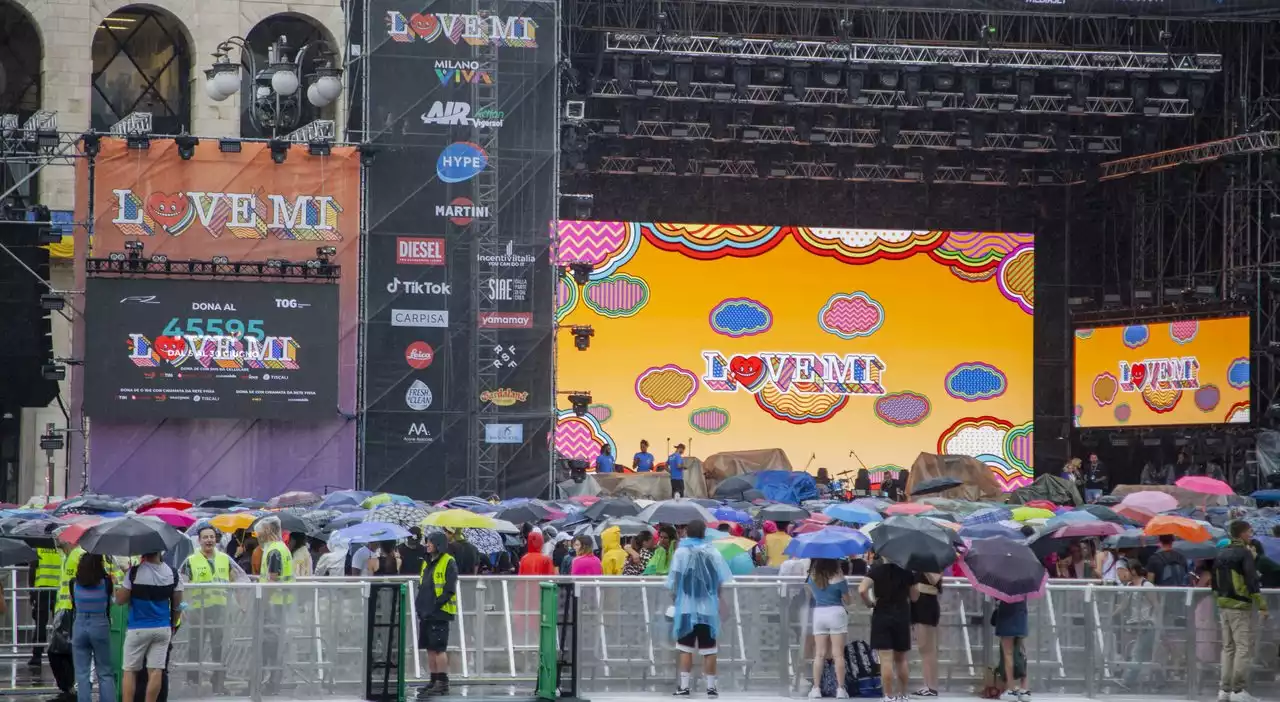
[17,678]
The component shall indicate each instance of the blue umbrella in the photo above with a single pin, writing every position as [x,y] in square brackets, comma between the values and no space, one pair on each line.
[832,542]
[742,564]
[1266,495]
[852,514]
[990,530]
[729,514]
[370,532]
[346,520]
[987,515]
[344,497]
[1068,518]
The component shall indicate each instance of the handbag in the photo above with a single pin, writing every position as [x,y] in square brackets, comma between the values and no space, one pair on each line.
[60,632]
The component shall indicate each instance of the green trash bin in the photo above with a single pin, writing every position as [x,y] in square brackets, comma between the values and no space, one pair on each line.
[119,623]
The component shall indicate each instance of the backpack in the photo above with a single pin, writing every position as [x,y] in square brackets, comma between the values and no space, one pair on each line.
[862,670]
[828,682]
[1171,571]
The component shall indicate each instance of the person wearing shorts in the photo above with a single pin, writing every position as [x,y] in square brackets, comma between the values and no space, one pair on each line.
[437,604]
[889,590]
[153,593]
[697,573]
[926,613]
[675,466]
[829,590]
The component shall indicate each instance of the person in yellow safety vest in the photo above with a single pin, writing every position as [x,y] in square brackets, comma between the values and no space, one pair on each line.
[277,567]
[437,606]
[207,606]
[62,666]
[46,574]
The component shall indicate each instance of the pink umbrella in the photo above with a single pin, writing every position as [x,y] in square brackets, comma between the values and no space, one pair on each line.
[1152,501]
[907,508]
[1204,485]
[171,516]
[1137,514]
[807,526]
[1086,529]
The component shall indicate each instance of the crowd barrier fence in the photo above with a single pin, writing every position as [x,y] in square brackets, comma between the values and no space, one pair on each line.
[1084,638]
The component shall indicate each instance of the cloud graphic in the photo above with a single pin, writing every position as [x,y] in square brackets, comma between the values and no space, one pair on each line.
[739,316]
[1136,335]
[668,386]
[902,409]
[851,315]
[1084,333]
[1238,373]
[976,381]
[1183,331]
[709,420]
[1207,398]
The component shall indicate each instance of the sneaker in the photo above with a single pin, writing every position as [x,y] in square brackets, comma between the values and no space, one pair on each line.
[815,693]
[1024,696]
[841,694]
[926,692]
[681,692]
[890,699]
[1224,696]
[1243,696]
[712,692]
[1011,696]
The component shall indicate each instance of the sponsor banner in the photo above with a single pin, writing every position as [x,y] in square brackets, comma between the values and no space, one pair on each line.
[413,251]
[461,161]
[438,319]
[504,433]
[504,397]
[460,114]
[246,207]
[511,258]
[505,320]
[462,211]
[418,397]
[413,287]
[419,355]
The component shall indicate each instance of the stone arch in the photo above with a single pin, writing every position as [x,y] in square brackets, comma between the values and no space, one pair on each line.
[298,29]
[142,62]
[21,61]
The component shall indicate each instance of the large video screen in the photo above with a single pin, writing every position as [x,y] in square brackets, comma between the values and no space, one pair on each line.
[843,347]
[1192,371]
[160,348]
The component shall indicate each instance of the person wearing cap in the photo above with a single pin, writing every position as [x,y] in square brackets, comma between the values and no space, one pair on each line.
[675,466]
[437,605]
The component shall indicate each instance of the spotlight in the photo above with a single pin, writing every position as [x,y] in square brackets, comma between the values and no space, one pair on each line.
[684,75]
[741,77]
[1143,298]
[715,72]
[659,69]
[970,88]
[582,336]
[325,252]
[1196,91]
[889,79]
[580,401]
[944,82]
[368,152]
[92,144]
[1026,86]
[889,130]
[52,302]
[912,87]
[853,82]
[229,146]
[1205,293]
[319,147]
[221,261]
[799,81]
[624,70]
[279,150]
[830,77]
[1140,89]
[138,141]
[581,271]
[774,75]
[1169,87]
[186,146]
[1002,82]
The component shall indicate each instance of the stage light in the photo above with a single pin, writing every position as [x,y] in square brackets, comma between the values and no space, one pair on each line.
[719,124]
[890,129]
[1026,87]
[229,146]
[889,79]
[799,82]
[741,77]
[186,146]
[1110,301]
[91,143]
[629,120]
[912,84]
[582,334]
[1140,89]
[319,147]
[279,150]
[1079,303]
[1169,87]
[944,82]
[624,70]
[714,72]
[580,401]
[804,127]
[971,84]
[138,141]
[1143,298]
[1114,84]
[159,258]
[830,77]
[324,252]
[684,75]
[221,260]
[659,68]
[581,271]
[1002,82]
[1196,91]
[1204,293]
[368,153]
[52,302]
[774,75]
[1063,83]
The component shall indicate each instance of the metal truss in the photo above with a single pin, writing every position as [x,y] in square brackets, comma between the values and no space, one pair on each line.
[807,170]
[911,54]
[1197,154]
[317,130]
[770,95]
[865,138]
[132,123]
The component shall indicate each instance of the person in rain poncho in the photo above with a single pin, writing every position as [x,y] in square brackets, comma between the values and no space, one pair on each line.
[698,571]
[533,562]
[775,544]
[614,557]
[659,563]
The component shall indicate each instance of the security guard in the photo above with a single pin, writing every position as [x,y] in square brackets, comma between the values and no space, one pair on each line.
[64,673]
[277,567]
[45,574]
[437,605]
[207,606]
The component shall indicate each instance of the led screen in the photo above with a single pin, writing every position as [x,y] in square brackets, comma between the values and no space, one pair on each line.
[823,342]
[1192,371]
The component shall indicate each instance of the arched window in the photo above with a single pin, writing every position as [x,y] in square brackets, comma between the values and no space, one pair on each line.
[19,62]
[296,32]
[141,63]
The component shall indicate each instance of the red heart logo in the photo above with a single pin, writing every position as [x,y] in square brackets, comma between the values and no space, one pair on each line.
[168,210]
[1138,373]
[170,348]
[425,26]
[746,369]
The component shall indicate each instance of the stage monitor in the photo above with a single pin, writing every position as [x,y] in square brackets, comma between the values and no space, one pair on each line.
[844,348]
[1190,371]
[168,348]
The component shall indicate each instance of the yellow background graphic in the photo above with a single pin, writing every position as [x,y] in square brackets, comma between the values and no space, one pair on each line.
[1220,345]
[933,320]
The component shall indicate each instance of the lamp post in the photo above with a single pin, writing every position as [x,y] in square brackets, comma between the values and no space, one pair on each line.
[276,101]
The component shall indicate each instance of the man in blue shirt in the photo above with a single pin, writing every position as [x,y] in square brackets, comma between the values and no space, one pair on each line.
[604,462]
[675,465]
[643,461]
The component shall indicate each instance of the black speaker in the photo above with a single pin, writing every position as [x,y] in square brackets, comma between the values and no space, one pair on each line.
[26,329]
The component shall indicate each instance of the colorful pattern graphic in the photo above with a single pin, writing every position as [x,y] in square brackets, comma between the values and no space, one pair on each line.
[619,295]
[581,437]
[602,413]
[1162,373]
[810,339]
[566,295]
[1239,413]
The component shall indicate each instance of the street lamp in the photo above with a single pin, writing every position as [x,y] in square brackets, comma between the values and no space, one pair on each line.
[275,102]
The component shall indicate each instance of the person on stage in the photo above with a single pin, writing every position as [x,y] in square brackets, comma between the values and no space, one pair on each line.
[604,462]
[675,466]
[642,462]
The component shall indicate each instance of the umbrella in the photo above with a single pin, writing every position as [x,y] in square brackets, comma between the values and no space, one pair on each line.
[89,504]
[288,522]
[915,544]
[584,500]
[1204,485]
[1134,514]
[987,515]
[1129,538]
[807,526]
[342,498]
[620,507]
[729,514]
[1042,504]
[220,501]
[294,498]
[1196,551]
[346,520]
[530,512]
[458,519]
[734,546]
[852,514]
[172,502]
[1178,527]
[1081,530]
[908,508]
[988,530]
[1106,514]
[1022,514]
[315,519]
[234,521]
[73,533]
[372,532]
[1266,495]
[130,536]
[676,512]
[627,526]
[833,542]
[734,488]
[14,552]
[172,516]
[1152,501]
[1066,518]
[36,533]
[935,485]
[400,514]
[1004,569]
[1107,500]
[485,540]
[783,513]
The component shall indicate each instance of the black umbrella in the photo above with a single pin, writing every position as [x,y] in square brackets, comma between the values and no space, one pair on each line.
[915,544]
[1107,500]
[14,552]
[90,504]
[525,512]
[1132,538]
[288,522]
[222,501]
[36,533]
[618,507]
[676,512]
[783,513]
[1107,514]
[707,502]
[935,485]
[1004,569]
[627,526]
[733,488]
[130,536]
[1196,551]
